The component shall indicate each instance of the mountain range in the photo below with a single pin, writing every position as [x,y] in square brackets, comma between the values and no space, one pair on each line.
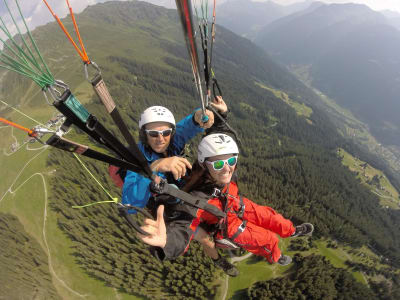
[353,57]
[288,160]
[247,18]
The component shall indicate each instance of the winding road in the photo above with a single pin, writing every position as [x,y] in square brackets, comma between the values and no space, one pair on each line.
[234,259]
[12,191]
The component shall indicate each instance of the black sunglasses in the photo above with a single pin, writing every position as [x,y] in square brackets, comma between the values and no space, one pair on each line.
[155,133]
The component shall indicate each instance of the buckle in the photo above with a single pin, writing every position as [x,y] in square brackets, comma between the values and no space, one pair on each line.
[241,211]
[242,226]
[216,193]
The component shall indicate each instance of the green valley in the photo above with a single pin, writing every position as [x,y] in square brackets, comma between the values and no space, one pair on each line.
[288,161]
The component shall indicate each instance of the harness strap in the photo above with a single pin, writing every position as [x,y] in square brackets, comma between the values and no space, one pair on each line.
[240,229]
[94,125]
[165,188]
[101,89]
[66,145]
[73,119]
[240,213]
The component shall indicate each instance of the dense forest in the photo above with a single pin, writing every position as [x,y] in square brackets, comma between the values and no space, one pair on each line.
[312,278]
[24,268]
[292,168]
[286,162]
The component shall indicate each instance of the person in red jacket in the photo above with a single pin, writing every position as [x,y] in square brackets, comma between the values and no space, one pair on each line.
[247,225]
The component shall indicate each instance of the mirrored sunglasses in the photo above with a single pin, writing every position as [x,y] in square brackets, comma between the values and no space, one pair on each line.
[155,133]
[219,164]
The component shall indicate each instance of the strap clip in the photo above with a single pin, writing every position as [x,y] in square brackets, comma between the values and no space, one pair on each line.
[216,193]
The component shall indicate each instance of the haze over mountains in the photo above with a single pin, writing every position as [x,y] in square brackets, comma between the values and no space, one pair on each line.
[288,161]
[247,18]
[348,51]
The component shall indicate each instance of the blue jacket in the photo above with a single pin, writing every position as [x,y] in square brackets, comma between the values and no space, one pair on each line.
[136,189]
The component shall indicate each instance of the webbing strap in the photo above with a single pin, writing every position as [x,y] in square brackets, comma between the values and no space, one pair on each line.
[192,200]
[70,115]
[242,208]
[105,97]
[69,146]
[121,207]
[123,210]
[240,229]
[101,90]
[93,128]
[94,125]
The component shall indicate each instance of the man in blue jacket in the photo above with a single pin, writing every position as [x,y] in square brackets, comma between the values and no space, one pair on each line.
[161,142]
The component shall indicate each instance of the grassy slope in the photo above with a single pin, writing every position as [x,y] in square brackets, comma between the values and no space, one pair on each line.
[60,246]
[65,65]
[300,108]
[252,270]
[349,125]
[28,204]
[389,196]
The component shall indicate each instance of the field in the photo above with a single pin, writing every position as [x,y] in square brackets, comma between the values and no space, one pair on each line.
[24,193]
[374,179]
[300,108]
[253,269]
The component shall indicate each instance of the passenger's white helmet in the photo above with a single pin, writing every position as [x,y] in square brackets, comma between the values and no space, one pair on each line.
[216,144]
[156,114]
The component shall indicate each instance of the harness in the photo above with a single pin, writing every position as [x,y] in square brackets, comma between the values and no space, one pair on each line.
[224,241]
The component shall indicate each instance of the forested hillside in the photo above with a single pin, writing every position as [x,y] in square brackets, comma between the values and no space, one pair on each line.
[314,278]
[287,161]
[352,55]
[24,268]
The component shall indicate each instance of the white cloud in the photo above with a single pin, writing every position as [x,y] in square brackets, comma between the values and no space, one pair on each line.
[36,12]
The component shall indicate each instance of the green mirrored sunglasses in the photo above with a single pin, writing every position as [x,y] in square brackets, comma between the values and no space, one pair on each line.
[219,164]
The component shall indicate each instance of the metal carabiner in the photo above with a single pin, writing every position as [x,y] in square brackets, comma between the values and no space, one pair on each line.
[87,72]
[56,94]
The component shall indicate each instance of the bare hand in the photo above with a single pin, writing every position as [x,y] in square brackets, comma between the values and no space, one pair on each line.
[175,164]
[198,116]
[219,104]
[156,230]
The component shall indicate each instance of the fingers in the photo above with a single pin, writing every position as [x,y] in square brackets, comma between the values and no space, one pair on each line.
[178,170]
[198,118]
[217,100]
[160,214]
[151,230]
[186,162]
[162,230]
[150,222]
[219,104]
[156,230]
[210,120]
[178,167]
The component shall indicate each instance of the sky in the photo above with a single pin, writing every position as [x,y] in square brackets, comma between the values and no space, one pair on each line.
[374,4]
[36,13]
